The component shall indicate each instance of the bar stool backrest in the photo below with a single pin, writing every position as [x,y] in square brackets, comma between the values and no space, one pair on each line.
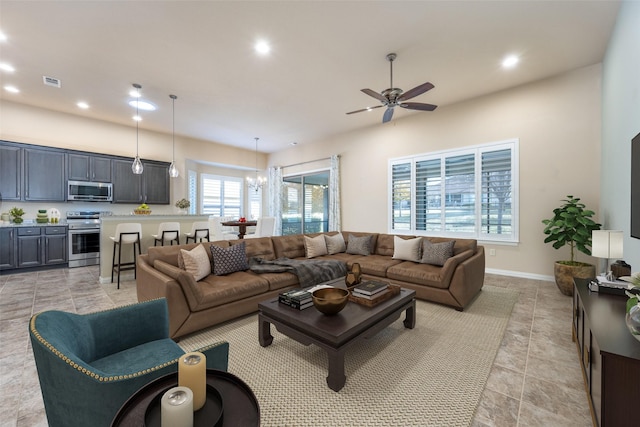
[128,227]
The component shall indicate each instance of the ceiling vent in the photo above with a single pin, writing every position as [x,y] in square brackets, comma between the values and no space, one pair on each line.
[51,81]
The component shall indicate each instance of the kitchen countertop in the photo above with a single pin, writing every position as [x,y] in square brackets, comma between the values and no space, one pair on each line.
[33,224]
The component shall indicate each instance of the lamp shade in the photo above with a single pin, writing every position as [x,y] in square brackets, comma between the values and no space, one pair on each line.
[607,243]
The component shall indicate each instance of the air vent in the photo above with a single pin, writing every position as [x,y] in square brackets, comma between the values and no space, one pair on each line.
[51,81]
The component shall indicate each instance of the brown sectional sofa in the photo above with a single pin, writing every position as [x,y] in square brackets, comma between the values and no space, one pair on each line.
[215,299]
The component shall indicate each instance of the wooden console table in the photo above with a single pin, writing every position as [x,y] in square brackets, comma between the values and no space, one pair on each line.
[609,356]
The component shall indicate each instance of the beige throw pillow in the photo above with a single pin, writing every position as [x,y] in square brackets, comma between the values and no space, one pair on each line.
[407,249]
[315,246]
[196,261]
[335,244]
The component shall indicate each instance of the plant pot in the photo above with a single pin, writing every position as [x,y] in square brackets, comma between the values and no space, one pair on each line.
[17,220]
[564,275]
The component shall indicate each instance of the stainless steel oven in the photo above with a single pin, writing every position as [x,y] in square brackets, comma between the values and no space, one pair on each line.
[84,238]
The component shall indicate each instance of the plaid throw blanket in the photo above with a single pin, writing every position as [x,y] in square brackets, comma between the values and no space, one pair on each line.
[310,272]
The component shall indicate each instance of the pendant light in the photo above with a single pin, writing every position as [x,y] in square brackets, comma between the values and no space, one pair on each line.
[259,181]
[173,170]
[137,166]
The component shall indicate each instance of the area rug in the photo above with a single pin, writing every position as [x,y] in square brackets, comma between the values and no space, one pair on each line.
[432,375]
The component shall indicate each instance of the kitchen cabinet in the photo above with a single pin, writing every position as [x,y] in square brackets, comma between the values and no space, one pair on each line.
[56,248]
[609,355]
[7,248]
[88,167]
[44,175]
[24,246]
[10,172]
[152,187]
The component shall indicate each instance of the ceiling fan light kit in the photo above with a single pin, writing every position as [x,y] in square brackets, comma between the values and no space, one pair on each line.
[395,97]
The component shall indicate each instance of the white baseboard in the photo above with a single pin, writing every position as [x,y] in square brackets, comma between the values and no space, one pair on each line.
[123,276]
[520,274]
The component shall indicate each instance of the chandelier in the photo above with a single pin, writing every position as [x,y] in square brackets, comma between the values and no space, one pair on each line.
[258,182]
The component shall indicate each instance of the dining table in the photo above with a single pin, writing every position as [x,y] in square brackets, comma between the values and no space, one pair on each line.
[242,226]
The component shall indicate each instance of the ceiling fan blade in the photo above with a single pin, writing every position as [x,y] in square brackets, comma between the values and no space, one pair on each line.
[418,106]
[374,94]
[365,109]
[387,115]
[418,90]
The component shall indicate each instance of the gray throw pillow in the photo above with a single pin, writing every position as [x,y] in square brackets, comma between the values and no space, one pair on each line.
[436,253]
[229,260]
[359,245]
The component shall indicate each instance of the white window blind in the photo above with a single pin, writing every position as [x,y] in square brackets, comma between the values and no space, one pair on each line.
[192,190]
[221,196]
[466,193]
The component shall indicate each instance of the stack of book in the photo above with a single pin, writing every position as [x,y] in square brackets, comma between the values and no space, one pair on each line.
[370,289]
[297,298]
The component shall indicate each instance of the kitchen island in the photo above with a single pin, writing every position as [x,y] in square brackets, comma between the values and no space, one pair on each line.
[149,225]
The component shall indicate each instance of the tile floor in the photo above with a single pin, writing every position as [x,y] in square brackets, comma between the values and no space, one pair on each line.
[535,380]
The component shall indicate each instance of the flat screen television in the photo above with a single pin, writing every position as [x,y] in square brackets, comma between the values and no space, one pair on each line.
[635,187]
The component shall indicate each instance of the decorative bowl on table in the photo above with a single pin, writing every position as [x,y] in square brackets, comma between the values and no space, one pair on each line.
[330,301]
[142,211]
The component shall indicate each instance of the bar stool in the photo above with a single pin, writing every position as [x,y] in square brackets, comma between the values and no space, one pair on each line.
[167,232]
[126,233]
[199,230]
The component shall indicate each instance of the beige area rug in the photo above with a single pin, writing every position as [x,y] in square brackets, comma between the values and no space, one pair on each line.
[432,375]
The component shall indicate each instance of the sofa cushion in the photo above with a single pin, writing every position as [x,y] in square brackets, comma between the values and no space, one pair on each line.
[229,260]
[291,246]
[315,246]
[407,249]
[214,290]
[359,245]
[197,262]
[375,265]
[261,247]
[437,253]
[335,243]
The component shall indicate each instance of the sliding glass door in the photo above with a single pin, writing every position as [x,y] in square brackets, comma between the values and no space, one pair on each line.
[305,205]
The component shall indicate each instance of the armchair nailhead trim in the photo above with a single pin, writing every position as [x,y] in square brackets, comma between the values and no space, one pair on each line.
[94,375]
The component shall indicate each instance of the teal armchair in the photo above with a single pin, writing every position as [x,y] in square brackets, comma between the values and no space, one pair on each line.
[89,365]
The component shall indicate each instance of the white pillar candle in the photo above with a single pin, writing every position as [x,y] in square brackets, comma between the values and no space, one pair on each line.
[176,408]
[192,373]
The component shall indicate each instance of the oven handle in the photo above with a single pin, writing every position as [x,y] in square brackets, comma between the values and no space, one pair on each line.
[84,231]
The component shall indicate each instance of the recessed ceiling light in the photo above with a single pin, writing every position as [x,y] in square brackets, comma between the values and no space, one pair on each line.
[7,67]
[83,105]
[142,105]
[510,61]
[12,89]
[262,47]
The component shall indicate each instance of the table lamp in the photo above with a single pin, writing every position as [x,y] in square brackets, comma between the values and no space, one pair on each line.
[607,244]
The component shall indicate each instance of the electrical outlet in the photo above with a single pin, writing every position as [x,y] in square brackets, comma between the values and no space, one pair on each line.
[492,252]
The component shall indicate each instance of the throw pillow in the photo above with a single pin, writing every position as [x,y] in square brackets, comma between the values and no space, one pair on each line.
[196,261]
[436,253]
[335,244]
[359,245]
[407,249]
[229,260]
[314,246]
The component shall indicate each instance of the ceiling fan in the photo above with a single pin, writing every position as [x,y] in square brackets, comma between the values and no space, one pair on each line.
[393,96]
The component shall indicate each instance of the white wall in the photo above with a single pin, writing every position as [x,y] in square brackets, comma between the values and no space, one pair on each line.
[620,123]
[557,121]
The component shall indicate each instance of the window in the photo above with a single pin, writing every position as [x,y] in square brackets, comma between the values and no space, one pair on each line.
[192,179]
[255,203]
[467,193]
[221,195]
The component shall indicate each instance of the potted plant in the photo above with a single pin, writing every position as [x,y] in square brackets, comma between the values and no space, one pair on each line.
[571,225]
[16,214]
[183,205]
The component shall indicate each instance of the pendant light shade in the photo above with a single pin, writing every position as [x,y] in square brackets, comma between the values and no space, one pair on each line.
[137,166]
[173,170]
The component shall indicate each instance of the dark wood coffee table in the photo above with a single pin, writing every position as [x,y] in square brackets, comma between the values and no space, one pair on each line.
[335,334]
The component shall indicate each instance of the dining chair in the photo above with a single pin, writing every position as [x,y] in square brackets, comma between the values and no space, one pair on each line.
[265,227]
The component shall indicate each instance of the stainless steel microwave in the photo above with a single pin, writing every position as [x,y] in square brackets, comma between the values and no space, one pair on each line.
[89,191]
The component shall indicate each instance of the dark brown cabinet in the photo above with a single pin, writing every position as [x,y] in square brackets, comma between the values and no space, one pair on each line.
[609,355]
[89,167]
